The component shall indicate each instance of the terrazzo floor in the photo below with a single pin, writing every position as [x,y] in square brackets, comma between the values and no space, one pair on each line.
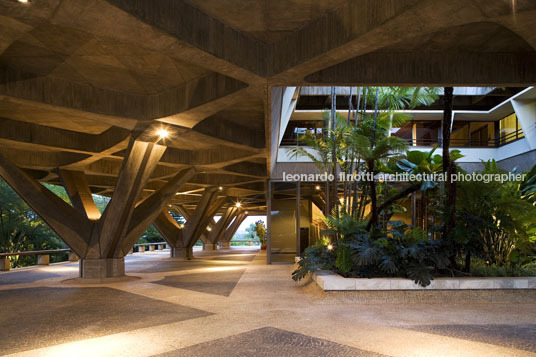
[229,303]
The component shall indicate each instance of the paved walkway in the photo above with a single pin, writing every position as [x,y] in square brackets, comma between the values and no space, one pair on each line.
[229,303]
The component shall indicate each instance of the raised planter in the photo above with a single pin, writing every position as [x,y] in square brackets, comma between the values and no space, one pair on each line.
[330,281]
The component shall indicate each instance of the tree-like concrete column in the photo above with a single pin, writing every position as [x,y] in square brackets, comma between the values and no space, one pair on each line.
[219,228]
[183,239]
[101,242]
[225,240]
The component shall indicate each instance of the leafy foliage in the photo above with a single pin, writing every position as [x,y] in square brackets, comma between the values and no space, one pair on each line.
[260,229]
[21,229]
[316,257]
[402,251]
[494,219]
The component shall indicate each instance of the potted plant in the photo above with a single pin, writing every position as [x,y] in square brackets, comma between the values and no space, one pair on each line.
[260,228]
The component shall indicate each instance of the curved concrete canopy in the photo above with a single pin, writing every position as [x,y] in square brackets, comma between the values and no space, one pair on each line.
[78,76]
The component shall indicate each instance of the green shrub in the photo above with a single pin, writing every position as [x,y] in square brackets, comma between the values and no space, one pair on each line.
[403,252]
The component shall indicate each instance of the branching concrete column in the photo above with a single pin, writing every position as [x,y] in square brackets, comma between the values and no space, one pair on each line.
[101,242]
[183,240]
[219,228]
[225,240]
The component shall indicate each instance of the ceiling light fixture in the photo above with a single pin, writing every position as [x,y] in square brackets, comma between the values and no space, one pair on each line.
[24,1]
[317,187]
[162,133]
[238,204]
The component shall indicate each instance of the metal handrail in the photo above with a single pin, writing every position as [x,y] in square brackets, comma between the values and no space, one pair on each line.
[66,250]
[36,252]
[149,244]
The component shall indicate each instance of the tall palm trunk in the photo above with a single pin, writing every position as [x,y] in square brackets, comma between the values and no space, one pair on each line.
[447,125]
[373,202]
[370,164]
[449,168]
[358,164]
[334,193]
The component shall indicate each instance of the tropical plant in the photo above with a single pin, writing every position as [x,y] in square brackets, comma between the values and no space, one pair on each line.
[361,146]
[402,251]
[494,220]
[316,257]
[260,229]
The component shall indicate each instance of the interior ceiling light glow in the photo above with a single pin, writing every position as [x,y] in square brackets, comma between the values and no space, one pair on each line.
[162,133]
[238,204]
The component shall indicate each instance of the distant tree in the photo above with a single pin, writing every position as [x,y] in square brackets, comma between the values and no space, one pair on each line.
[260,229]
[21,229]
[251,232]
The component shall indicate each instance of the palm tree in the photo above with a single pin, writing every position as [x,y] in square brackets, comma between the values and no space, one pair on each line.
[385,147]
[367,141]
[449,167]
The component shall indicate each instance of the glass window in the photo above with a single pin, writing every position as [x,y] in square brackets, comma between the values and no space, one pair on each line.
[426,132]
[482,133]
[296,128]
[460,134]
[509,129]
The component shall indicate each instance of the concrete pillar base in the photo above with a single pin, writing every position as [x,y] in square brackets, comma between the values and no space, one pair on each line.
[43,259]
[73,257]
[210,246]
[102,268]
[141,249]
[5,264]
[182,253]
[161,247]
[151,248]
[225,244]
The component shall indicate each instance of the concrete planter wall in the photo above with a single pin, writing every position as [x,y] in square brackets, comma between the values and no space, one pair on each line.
[330,281]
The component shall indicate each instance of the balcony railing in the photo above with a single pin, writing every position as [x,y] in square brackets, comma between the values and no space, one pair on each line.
[491,143]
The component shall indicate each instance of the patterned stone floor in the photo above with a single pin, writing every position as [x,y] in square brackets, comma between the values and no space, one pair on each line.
[522,337]
[269,341]
[47,316]
[217,283]
[229,303]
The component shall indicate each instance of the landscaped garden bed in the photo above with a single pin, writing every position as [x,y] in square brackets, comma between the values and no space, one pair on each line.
[329,281]
[464,234]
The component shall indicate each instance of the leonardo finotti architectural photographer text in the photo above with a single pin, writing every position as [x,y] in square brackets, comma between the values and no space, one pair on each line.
[404,177]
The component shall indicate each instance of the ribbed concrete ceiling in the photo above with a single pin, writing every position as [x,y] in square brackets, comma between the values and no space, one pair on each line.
[267,20]
[77,76]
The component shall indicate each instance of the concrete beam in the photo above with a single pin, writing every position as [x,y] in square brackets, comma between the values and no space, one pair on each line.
[69,224]
[432,69]
[136,169]
[232,228]
[85,98]
[219,228]
[222,129]
[77,188]
[196,28]
[169,229]
[147,210]
[49,137]
[198,221]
